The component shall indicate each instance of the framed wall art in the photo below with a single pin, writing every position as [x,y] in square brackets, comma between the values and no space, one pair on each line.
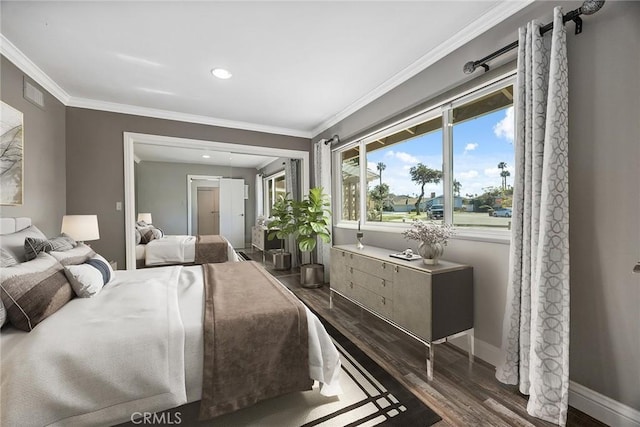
[11,156]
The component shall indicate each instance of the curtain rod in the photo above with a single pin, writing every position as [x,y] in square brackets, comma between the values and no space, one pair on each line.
[589,7]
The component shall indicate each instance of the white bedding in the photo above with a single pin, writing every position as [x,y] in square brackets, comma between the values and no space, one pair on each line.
[176,250]
[136,346]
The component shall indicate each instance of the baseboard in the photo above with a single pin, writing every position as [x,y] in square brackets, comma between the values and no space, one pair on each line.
[601,407]
[592,403]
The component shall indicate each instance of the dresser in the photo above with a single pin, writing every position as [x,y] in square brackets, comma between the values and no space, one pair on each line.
[260,240]
[431,303]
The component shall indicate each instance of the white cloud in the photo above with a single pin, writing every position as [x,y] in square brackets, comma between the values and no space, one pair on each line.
[470,147]
[505,127]
[492,172]
[468,175]
[406,157]
[389,153]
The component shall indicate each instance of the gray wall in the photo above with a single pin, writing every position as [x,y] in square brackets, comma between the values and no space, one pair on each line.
[162,190]
[604,132]
[44,153]
[95,176]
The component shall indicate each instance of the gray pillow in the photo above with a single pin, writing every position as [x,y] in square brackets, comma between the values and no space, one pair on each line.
[14,242]
[78,255]
[34,290]
[6,258]
[33,246]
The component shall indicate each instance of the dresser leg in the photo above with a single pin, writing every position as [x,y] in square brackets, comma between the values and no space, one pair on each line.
[330,300]
[471,341]
[430,361]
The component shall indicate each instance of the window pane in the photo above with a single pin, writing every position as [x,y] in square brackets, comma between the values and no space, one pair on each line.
[404,174]
[483,160]
[279,187]
[350,162]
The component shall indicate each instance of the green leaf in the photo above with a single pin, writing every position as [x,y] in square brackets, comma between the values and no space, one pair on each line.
[307,244]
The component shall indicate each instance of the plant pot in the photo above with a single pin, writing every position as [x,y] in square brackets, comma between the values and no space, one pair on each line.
[430,252]
[312,275]
[282,261]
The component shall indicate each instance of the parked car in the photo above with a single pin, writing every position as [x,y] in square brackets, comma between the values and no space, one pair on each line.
[503,212]
[436,211]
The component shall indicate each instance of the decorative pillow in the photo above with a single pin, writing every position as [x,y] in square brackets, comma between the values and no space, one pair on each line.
[3,312]
[34,290]
[14,242]
[33,246]
[88,279]
[6,258]
[149,233]
[138,237]
[75,256]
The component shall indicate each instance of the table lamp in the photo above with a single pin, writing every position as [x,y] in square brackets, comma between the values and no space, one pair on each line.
[146,217]
[81,228]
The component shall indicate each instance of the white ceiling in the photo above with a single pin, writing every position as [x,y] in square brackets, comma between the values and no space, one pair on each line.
[298,67]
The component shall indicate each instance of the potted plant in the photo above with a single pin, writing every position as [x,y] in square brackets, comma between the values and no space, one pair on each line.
[280,227]
[432,238]
[311,217]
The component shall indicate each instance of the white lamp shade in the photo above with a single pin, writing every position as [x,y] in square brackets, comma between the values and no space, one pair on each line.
[81,227]
[146,217]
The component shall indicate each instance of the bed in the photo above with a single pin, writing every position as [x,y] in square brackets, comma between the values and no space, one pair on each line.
[173,249]
[137,346]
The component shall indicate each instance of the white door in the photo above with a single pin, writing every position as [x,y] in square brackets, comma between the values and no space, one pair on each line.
[232,211]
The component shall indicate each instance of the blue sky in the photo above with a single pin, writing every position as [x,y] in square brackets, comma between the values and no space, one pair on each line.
[479,145]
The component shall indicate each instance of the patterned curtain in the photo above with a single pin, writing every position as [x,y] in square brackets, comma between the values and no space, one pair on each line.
[292,188]
[536,324]
[322,178]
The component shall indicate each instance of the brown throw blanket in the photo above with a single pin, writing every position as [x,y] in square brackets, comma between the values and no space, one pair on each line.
[255,339]
[211,248]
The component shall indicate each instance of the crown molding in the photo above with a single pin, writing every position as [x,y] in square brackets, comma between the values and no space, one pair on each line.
[113,107]
[20,60]
[486,21]
[15,55]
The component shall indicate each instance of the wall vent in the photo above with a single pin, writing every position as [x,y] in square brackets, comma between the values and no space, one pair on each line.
[33,94]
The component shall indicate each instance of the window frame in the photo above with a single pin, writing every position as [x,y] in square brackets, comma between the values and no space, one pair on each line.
[265,188]
[442,109]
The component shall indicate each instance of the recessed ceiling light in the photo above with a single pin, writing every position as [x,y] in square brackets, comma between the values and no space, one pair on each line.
[206,156]
[221,73]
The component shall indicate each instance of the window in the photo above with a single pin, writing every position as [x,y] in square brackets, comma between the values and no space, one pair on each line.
[274,188]
[404,172]
[452,163]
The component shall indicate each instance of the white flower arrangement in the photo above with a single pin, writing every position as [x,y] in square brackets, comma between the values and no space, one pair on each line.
[429,232]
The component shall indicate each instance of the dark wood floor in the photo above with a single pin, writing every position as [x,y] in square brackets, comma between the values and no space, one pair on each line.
[462,394]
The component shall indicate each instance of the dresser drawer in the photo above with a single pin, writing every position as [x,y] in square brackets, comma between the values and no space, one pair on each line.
[375,267]
[374,302]
[378,285]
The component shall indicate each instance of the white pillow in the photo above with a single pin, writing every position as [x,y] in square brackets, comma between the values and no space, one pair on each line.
[14,242]
[88,279]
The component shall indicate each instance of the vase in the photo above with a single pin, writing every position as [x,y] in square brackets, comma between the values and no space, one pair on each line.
[430,252]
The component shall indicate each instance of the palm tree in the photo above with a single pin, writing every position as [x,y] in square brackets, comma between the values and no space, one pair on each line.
[504,174]
[420,174]
[456,187]
[502,166]
[381,166]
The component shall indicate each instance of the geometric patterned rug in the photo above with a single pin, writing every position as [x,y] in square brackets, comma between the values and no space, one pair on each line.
[371,397]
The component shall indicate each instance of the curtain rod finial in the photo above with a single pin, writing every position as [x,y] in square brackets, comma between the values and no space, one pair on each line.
[589,7]
[469,67]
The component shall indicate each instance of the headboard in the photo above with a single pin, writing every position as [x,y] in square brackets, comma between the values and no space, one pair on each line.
[11,225]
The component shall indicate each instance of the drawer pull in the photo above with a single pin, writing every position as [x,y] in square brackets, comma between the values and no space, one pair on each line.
[384,301]
[343,254]
[351,270]
[351,285]
[351,256]
[383,283]
[384,265]
[396,268]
